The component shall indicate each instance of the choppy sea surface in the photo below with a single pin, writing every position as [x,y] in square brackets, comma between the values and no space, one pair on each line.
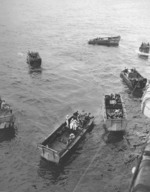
[74,76]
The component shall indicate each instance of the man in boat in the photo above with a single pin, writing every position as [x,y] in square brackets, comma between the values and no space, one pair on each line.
[67,120]
[73,124]
[3,104]
[71,136]
[118,113]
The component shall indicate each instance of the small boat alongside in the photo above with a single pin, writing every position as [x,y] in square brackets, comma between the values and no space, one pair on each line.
[114,113]
[144,49]
[108,41]
[34,59]
[134,80]
[6,116]
[60,142]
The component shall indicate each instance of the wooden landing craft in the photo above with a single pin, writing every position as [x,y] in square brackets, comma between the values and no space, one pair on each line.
[114,114]
[108,41]
[134,80]
[64,138]
[144,49]
[6,116]
[34,59]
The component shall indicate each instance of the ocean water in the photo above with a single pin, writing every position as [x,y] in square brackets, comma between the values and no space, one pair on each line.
[74,76]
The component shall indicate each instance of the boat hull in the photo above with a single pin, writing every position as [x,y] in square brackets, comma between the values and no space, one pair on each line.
[34,59]
[144,50]
[115,124]
[58,150]
[49,154]
[108,41]
[143,54]
[34,63]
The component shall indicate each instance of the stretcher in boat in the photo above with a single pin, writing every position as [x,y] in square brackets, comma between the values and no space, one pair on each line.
[144,49]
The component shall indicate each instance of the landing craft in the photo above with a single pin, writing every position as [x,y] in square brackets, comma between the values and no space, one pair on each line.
[62,140]
[144,49]
[114,113]
[134,80]
[108,41]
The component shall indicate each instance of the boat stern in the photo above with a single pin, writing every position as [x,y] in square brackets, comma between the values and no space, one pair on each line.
[115,124]
[49,154]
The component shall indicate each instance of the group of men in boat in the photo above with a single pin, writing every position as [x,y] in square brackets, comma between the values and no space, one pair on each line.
[73,124]
[76,122]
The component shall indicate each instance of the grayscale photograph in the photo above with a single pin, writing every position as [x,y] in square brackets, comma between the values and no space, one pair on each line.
[75,96]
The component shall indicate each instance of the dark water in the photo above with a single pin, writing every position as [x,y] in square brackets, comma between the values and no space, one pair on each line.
[74,76]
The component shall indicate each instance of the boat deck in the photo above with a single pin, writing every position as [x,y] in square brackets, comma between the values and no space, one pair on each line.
[61,142]
[59,146]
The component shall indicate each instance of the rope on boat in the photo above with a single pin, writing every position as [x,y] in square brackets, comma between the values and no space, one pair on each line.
[76,187]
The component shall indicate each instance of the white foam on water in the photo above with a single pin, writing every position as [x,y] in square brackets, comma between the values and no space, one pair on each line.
[20,54]
[141,53]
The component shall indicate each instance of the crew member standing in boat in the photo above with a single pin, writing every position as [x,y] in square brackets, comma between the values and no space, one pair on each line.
[67,121]
[73,124]
[3,104]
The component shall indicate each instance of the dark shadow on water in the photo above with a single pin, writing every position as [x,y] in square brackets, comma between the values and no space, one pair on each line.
[135,94]
[113,136]
[35,71]
[144,57]
[7,134]
[57,172]
[50,170]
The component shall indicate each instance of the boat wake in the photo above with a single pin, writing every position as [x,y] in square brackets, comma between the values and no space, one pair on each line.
[20,54]
[142,54]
